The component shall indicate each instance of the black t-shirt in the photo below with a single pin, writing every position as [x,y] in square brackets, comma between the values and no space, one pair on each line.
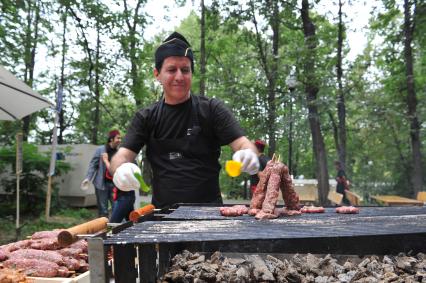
[215,119]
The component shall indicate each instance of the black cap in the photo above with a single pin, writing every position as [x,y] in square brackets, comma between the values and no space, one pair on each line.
[174,45]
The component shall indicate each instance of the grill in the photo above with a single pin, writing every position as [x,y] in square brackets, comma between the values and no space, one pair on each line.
[375,230]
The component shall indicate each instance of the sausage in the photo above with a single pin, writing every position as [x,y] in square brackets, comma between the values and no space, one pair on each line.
[236,210]
[45,234]
[33,267]
[51,256]
[291,199]
[135,214]
[347,210]
[45,244]
[312,209]
[273,187]
[260,192]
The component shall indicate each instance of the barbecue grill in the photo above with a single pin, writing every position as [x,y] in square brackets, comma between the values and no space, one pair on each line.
[142,251]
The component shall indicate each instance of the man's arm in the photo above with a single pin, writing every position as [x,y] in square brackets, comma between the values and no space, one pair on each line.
[242,143]
[94,164]
[123,155]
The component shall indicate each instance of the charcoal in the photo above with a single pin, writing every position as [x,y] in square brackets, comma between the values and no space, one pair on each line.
[364,262]
[406,263]
[216,257]
[175,276]
[346,277]
[348,265]
[374,266]
[260,270]
[196,260]
[390,277]
[294,277]
[297,269]
[322,279]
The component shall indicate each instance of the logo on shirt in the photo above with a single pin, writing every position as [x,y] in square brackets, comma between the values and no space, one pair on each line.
[175,155]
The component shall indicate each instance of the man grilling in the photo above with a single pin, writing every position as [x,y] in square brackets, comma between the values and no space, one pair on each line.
[183,134]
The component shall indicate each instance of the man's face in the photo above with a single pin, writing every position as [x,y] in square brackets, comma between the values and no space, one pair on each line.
[116,141]
[176,78]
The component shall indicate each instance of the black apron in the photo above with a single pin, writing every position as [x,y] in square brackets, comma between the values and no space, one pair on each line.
[186,169]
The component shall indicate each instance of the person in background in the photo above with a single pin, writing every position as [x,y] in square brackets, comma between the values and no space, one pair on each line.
[263,159]
[123,200]
[99,175]
[342,182]
[183,134]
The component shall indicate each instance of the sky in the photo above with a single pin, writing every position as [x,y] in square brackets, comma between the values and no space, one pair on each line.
[357,15]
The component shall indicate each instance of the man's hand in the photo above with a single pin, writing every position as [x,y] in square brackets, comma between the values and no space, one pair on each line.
[85,184]
[249,160]
[124,177]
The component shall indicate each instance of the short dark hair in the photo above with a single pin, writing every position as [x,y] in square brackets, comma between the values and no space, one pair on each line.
[174,45]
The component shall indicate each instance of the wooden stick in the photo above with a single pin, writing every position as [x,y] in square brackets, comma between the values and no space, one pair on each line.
[68,236]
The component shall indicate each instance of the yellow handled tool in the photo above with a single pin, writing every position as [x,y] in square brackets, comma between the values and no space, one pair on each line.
[233,168]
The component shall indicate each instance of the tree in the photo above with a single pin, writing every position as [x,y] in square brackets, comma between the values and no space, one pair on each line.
[341,107]
[409,26]
[311,89]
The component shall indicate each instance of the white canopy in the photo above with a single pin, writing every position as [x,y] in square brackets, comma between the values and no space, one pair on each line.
[18,100]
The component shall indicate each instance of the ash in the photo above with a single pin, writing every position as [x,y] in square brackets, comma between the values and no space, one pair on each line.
[195,267]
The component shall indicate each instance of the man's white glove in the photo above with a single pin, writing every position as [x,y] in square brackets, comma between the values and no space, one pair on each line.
[124,177]
[249,160]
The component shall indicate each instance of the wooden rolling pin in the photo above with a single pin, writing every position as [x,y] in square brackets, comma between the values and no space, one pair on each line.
[68,236]
[135,214]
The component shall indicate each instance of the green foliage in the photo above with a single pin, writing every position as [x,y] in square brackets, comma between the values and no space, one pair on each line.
[33,180]
[378,144]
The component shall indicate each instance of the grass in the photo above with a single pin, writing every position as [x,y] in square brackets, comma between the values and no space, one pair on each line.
[64,218]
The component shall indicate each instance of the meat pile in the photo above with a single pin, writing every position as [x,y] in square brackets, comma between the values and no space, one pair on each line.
[272,179]
[41,256]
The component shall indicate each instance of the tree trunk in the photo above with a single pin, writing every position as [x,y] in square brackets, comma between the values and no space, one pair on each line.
[62,125]
[97,89]
[30,51]
[341,108]
[311,89]
[203,50]
[417,176]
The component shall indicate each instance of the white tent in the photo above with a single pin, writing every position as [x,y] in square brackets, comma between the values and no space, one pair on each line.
[18,100]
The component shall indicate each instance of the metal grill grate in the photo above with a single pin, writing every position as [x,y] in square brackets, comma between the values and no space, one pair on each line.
[212,213]
[375,230]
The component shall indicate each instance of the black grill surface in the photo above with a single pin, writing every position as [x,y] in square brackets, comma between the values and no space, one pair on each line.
[212,213]
[370,221]
[375,230]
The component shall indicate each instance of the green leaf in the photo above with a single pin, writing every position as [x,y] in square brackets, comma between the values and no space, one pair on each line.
[144,186]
